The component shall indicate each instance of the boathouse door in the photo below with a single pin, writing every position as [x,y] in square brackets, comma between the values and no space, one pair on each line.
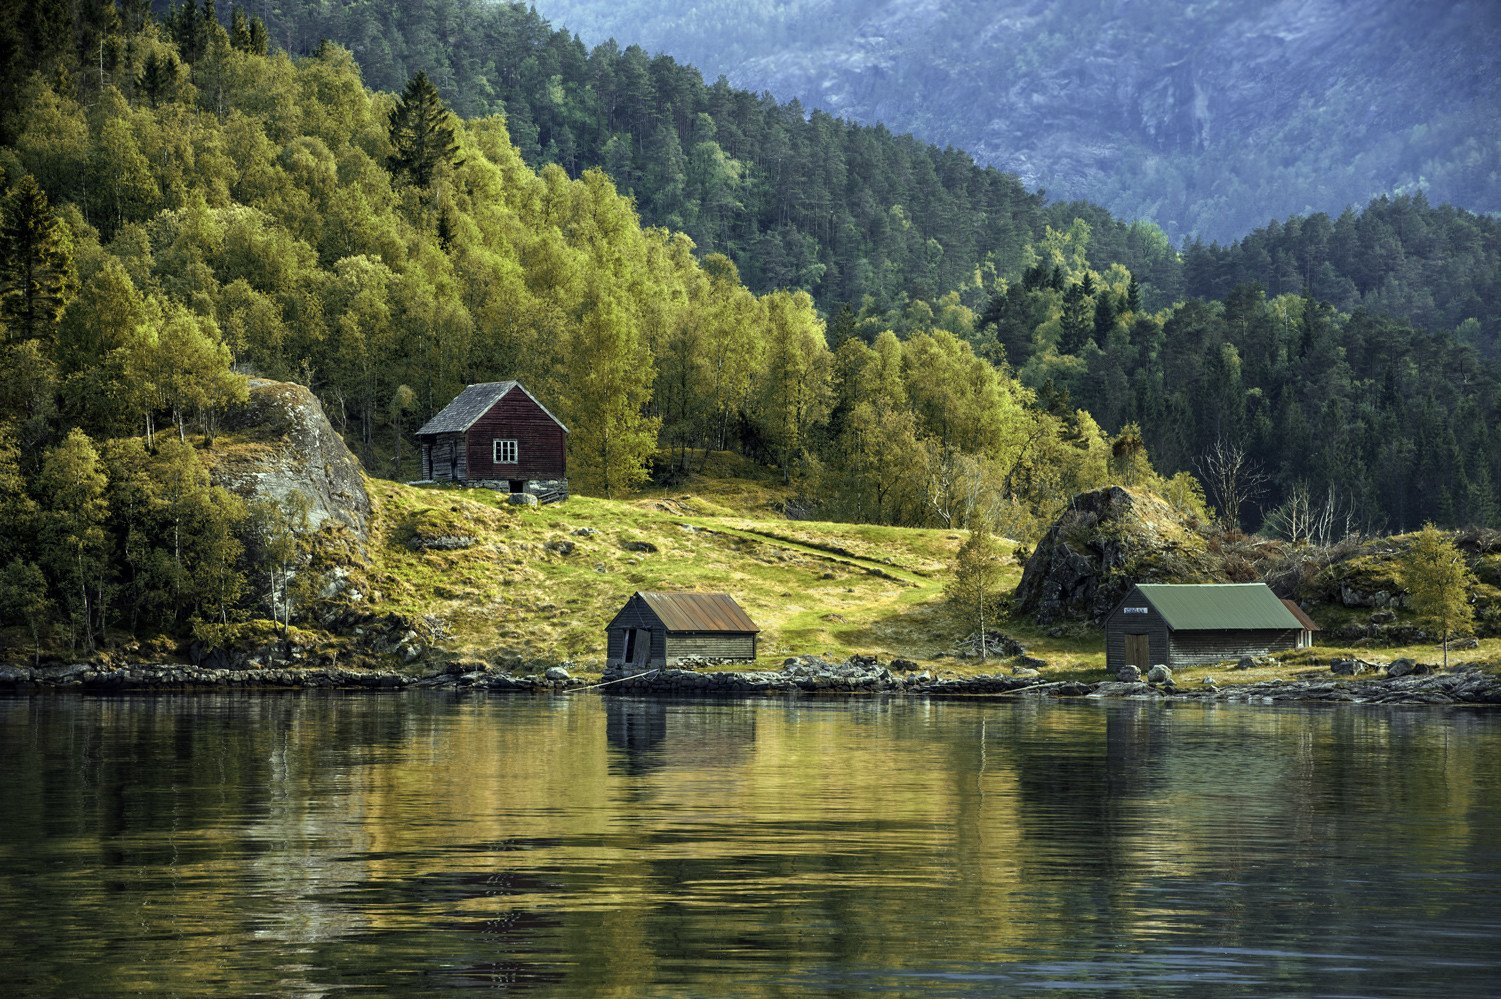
[1138,651]
[637,646]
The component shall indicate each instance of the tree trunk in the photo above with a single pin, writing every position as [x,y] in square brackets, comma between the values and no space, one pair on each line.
[984,645]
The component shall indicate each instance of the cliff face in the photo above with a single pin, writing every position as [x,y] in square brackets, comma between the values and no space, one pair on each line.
[1210,118]
[284,445]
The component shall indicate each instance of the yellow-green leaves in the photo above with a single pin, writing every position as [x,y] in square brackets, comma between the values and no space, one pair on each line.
[1438,581]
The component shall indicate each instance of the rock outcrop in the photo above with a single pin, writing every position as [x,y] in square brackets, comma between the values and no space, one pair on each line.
[1102,544]
[282,445]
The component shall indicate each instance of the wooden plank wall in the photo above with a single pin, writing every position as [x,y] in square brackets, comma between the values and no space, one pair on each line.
[542,446]
[715,645]
[1198,648]
[1120,624]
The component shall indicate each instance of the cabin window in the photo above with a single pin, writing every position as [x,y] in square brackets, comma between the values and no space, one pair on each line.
[505,453]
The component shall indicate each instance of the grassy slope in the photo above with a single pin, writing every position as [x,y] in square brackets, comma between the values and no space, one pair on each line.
[813,587]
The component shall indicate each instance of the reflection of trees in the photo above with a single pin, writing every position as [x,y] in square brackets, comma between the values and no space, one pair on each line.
[588,845]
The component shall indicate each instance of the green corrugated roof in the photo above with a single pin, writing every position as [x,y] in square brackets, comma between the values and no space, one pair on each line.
[1219,606]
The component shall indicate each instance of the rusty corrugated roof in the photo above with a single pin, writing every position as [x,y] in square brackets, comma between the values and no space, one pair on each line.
[699,611]
[1308,624]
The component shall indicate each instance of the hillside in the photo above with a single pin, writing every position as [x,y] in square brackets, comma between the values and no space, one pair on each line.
[1210,119]
[190,208]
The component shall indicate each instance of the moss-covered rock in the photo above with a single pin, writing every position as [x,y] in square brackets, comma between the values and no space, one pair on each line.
[1102,544]
[279,442]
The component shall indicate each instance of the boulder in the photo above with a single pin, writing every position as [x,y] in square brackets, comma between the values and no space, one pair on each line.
[521,499]
[556,674]
[1159,674]
[1246,662]
[1348,667]
[902,665]
[299,453]
[1103,543]
[564,548]
[645,547]
[1401,667]
[1128,674]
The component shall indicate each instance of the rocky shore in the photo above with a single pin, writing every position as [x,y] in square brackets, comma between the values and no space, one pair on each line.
[1463,684]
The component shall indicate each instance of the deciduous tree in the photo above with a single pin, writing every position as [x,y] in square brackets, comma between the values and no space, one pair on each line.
[974,590]
[1438,581]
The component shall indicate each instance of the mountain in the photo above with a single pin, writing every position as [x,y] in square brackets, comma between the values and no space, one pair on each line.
[1210,118]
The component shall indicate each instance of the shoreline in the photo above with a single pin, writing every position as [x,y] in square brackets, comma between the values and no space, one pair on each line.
[1463,684]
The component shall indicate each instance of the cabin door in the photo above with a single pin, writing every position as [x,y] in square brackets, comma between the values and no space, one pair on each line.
[1138,651]
[637,646]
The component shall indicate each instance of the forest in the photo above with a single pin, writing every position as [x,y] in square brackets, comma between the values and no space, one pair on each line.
[186,202]
[1207,118]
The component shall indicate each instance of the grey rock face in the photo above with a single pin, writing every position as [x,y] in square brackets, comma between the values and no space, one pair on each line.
[1128,674]
[556,674]
[305,456]
[1159,674]
[1102,544]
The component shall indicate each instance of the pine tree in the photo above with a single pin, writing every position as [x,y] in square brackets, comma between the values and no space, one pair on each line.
[1438,580]
[422,133]
[37,276]
[158,79]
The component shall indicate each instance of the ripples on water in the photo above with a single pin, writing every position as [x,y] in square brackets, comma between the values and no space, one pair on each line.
[314,845]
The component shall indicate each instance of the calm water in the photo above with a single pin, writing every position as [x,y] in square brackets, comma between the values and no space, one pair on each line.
[307,845]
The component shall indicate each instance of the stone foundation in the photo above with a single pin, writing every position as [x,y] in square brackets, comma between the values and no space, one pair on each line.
[546,490]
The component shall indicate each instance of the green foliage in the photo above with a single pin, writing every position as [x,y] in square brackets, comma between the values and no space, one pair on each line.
[1432,267]
[974,590]
[23,599]
[37,277]
[1438,579]
[422,133]
[72,539]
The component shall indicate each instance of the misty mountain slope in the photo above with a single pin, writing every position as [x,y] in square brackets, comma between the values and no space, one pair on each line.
[1210,118]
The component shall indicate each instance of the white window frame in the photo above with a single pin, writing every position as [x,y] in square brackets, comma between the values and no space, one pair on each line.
[498,449]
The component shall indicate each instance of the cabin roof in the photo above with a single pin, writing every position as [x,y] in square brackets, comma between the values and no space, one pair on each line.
[1301,615]
[472,403]
[1220,607]
[711,612]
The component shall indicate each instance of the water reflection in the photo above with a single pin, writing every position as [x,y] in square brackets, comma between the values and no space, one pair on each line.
[245,844]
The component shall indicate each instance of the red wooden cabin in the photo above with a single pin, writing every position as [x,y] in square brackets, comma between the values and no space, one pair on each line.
[497,436]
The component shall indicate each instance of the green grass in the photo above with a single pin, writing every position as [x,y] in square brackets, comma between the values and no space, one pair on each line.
[812,587]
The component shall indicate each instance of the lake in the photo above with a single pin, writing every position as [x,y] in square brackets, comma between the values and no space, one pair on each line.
[239,844]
